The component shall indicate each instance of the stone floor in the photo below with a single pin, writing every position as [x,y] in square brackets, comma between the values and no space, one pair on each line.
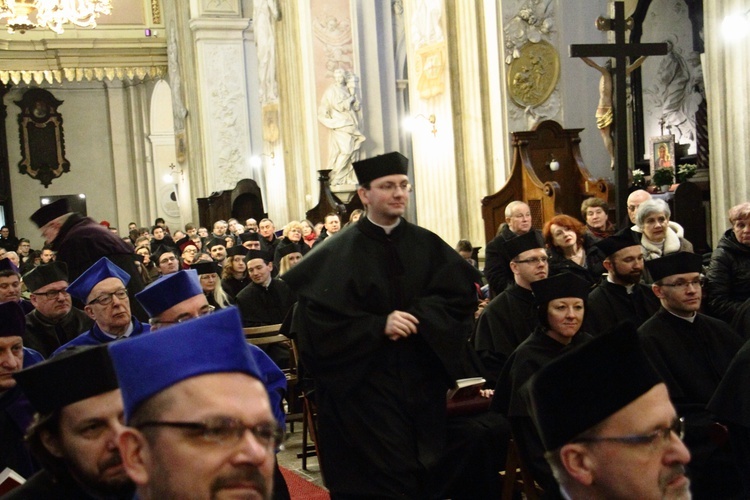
[287,457]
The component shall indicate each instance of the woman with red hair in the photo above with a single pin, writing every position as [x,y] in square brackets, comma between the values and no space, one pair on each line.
[571,248]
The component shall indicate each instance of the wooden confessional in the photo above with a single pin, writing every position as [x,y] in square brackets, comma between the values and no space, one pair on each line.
[242,202]
[547,192]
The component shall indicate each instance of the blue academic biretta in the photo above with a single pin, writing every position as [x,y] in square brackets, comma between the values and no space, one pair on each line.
[12,320]
[101,270]
[168,291]
[148,364]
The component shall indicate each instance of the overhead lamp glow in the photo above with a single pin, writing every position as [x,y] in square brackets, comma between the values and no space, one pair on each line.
[735,26]
[24,15]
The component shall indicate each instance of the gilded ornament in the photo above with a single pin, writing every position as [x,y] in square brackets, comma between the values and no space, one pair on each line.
[532,77]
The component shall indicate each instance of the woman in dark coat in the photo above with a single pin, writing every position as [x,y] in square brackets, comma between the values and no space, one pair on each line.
[571,248]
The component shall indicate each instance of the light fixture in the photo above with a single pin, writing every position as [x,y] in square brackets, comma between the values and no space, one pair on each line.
[256,161]
[552,163]
[52,14]
[409,122]
[735,26]
[174,176]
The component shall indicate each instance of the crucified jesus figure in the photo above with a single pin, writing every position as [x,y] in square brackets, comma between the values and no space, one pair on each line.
[604,113]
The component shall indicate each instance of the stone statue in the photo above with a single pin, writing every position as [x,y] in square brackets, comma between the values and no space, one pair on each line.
[265,15]
[339,112]
[604,115]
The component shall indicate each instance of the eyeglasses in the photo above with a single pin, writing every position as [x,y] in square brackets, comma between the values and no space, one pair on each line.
[105,299]
[532,260]
[391,187]
[227,431]
[156,322]
[683,285]
[665,433]
[52,294]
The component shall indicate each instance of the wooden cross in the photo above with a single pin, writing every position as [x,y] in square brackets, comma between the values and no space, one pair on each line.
[620,51]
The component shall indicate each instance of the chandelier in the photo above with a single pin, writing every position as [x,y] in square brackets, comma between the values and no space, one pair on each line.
[52,14]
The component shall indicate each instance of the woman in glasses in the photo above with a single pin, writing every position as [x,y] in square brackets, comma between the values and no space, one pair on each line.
[571,248]
[560,304]
[208,272]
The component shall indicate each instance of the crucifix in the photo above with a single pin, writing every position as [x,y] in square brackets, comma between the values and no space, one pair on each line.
[620,51]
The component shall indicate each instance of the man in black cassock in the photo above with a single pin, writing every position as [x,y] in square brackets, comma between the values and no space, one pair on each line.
[510,317]
[692,351]
[384,311]
[620,295]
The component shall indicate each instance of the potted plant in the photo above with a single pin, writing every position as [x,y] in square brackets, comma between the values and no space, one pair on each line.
[663,178]
[639,179]
[686,171]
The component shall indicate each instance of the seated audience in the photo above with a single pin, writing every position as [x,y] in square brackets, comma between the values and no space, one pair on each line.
[102,288]
[234,275]
[166,260]
[560,304]
[54,321]
[465,250]
[729,272]
[571,248]
[659,236]
[149,271]
[308,233]
[289,256]
[331,226]
[79,414]
[691,351]
[8,242]
[10,286]
[595,212]
[208,274]
[607,424]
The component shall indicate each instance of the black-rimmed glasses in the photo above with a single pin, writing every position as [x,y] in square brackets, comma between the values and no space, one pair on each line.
[226,430]
[52,294]
[105,299]
[665,433]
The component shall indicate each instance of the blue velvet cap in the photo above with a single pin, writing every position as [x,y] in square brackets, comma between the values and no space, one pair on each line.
[169,291]
[148,364]
[101,270]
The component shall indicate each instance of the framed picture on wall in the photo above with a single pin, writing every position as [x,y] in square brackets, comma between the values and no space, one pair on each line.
[662,152]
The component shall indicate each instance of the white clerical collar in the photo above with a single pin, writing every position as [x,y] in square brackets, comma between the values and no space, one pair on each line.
[115,337]
[628,288]
[387,229]
[691,319]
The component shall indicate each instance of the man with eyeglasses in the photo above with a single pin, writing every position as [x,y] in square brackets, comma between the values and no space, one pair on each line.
[102,287]
[620,295]
[79,413]
[384,313]
[199,421]
[166,260]
[510,317]
[692,351]
[517,222]
[54,321]
[607,423]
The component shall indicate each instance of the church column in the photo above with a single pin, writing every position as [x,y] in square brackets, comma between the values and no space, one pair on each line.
[119,112]
[224,124]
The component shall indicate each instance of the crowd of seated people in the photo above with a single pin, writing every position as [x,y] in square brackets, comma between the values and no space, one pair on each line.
[552,289]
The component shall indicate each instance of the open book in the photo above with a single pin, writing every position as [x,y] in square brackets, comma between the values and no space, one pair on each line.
[9,479]
[466,388]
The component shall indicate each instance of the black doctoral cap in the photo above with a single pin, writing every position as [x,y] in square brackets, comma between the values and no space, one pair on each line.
[528,241]
[206,267]
[45,274]
[616,242]
[7,265]
[258,254]
[236,250]
[674,263]
[559,286]
[588,384]
[50,212]
[380,166]
[249,236]
[12,320]
[289,248]
[75,374]
[215,242]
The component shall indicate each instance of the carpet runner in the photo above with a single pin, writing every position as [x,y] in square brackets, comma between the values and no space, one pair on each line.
[302,489]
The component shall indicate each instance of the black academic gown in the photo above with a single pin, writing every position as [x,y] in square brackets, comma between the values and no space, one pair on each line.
[610,303]
[731,405]
[46,337]
[381,402]
[43,485]
[512,399]
[692,359]
[505,322]
[233,286]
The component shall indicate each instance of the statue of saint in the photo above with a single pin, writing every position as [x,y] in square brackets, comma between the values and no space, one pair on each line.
[265,14]
[339,111]
[604,115]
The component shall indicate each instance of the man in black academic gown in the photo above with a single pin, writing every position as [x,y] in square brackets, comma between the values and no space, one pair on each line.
[517,222]
[385,308]
[692,351]
[620,295]
[511,316]
[54,321]
[74,434]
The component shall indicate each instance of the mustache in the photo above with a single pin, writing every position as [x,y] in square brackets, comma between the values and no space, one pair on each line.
[112,461]
[674,472]
[241,476]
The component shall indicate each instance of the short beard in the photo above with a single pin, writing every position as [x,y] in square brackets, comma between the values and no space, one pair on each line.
[630,278]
